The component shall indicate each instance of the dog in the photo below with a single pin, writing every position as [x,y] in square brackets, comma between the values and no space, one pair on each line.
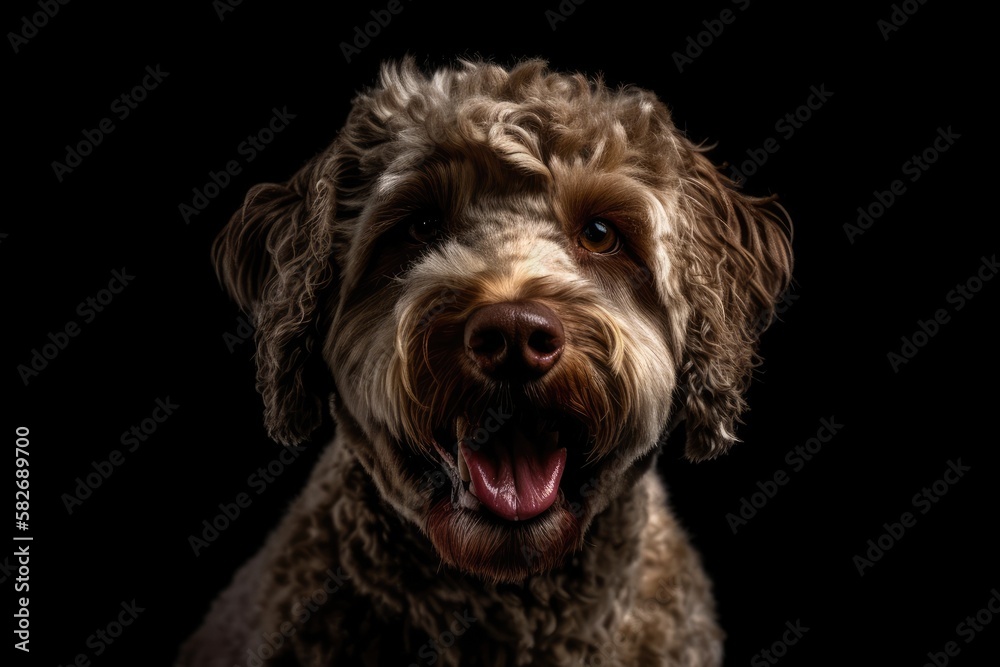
[506,285]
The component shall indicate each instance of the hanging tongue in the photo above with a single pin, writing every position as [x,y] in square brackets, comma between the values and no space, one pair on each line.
[516,479]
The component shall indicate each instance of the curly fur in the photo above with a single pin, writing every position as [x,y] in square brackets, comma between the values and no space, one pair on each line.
[385,559]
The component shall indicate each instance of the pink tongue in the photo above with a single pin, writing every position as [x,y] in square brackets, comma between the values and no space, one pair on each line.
[515,480]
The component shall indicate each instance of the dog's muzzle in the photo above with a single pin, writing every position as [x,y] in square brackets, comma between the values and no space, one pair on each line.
[512,463]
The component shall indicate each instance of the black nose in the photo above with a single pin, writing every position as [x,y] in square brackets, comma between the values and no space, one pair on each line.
[515,340]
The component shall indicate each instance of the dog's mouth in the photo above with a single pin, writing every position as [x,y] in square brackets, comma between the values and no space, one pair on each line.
[510,463]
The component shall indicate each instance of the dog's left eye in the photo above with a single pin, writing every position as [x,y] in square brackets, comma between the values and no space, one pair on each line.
[425,229]
[599,236]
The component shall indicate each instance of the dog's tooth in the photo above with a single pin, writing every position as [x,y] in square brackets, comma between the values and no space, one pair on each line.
[463,466]
[468,500]
[461,425]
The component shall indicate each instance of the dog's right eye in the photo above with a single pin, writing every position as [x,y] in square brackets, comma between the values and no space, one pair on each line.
[599,236]
[425,229]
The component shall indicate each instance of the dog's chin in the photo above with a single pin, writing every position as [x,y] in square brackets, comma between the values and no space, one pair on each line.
[499,550]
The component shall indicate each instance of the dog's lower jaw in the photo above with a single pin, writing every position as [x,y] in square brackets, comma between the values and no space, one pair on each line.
[348,581]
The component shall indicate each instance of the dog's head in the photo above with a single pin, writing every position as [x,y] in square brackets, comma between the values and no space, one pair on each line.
[515,279]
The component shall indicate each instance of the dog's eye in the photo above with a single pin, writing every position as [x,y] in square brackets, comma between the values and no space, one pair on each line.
[599,236]
[425,229]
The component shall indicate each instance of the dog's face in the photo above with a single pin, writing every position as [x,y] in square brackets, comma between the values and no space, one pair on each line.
[514,279]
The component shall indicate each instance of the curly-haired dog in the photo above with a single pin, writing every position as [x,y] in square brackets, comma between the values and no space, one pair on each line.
[505,284]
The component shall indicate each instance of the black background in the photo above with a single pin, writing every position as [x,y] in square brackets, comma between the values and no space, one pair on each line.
[162,336]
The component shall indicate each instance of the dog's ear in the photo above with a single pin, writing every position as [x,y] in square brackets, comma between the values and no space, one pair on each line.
[274,258]
[739,261]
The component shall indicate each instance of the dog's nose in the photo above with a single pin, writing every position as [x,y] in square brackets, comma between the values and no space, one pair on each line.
[514,340]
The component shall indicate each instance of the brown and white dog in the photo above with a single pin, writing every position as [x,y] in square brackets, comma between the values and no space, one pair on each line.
[505,284]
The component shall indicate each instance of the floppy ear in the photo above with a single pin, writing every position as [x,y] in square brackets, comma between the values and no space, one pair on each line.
[274,259]
[739,260]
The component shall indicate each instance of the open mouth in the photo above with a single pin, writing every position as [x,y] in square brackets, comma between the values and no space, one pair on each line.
[509,462]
